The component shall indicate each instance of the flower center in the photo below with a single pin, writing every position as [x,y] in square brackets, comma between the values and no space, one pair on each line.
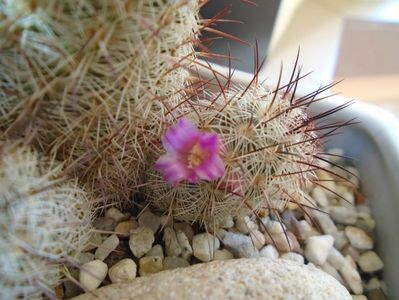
[195,157]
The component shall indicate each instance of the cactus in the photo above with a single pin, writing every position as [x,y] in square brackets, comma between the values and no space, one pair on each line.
[91,77]
[44,220]
[268,145]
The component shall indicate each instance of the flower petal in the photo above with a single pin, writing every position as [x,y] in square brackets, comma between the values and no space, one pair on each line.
[209,142]
[211,169]
[172,169]
[180,137]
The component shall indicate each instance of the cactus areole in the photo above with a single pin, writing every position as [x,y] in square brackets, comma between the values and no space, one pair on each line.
[191,154]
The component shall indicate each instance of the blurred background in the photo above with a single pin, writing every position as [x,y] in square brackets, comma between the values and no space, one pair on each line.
[354,40]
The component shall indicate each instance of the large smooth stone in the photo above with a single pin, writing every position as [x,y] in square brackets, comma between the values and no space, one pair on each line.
[260,278]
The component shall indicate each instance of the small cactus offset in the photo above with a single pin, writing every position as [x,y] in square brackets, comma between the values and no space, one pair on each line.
[266,148]
[92,77]
[44,220]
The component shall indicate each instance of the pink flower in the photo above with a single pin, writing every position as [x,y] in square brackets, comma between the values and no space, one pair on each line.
[190,154]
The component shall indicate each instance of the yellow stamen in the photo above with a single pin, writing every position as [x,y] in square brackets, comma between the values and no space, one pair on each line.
[195,157]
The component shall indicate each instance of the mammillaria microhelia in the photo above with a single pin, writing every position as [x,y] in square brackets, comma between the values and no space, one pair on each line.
[191,155]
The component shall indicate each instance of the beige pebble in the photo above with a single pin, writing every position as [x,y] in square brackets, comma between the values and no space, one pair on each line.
[149,265]
[186,249]
[172,246]
[123,271]
[284,242]
[370,262]
[245,225]
[140,241]
[94,241]
[107,247]
[257,238]
[351,275]
[319,195]
[227,222]
[328,182]
[186,228]
[358,238]
[156,250]
[204,246]
[173,262]
[351,251]
[223,254]
[150,220]
[116,214]
[92,274]
[125,228]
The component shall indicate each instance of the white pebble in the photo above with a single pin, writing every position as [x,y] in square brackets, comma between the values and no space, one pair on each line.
[333,272]
[123,271]
[305,230]
[204,246]
[351,275]
[124,228]
[245,225]
[370,262]
[150,220]
[327,181]
[92,274]
[104,224]
[241,245]
[85,257]
[140,241]
[336,156]
[116,214]
[172,246]
[318,247]
[362,208]
[227,222]
[166,221]
[359,297]
[327,225]
[373,284]
[294,257]
[348,199]
[156,250]
[274,227]
[269,251]
[258,238]
[340,239]
[343,215]
[220,233]
[94,241]
[335,258]
[358,238]
[319,195]
[352,252]
[365,222]
[186,249]
[107,247]
[223,254]
[186,228]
